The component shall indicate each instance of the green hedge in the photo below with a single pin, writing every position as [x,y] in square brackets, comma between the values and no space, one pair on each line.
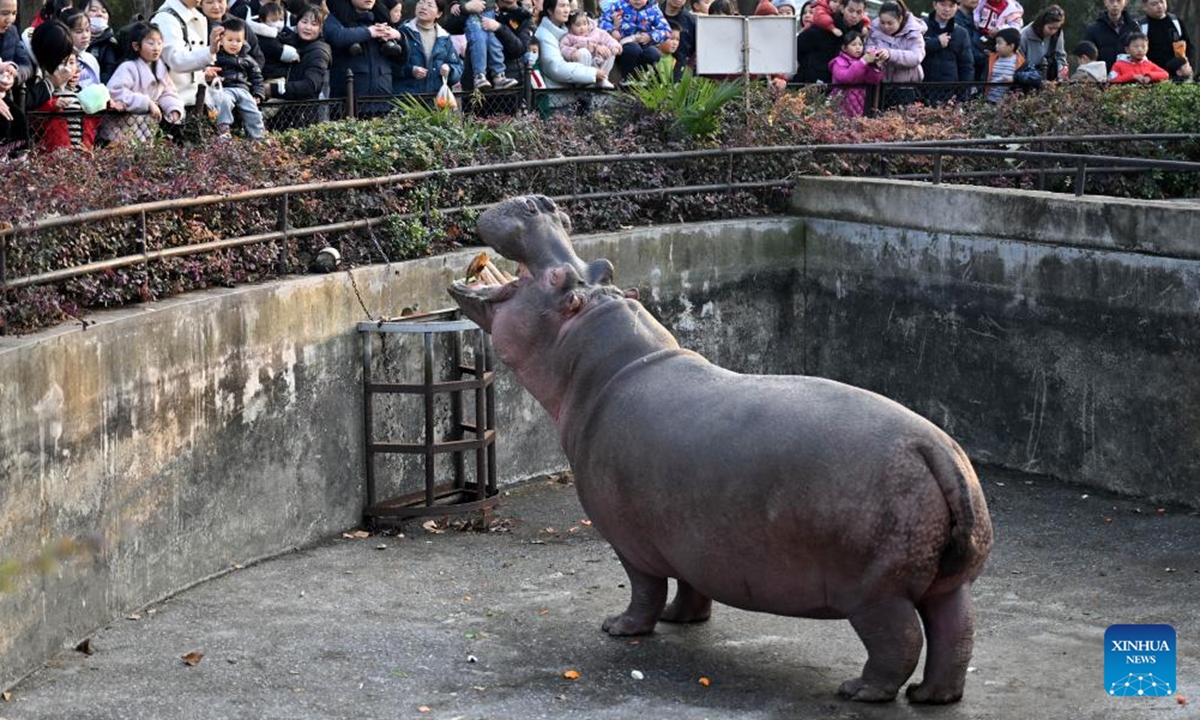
[423,140]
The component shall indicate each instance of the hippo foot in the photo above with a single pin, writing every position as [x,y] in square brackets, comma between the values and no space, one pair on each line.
[689,605]
[625,625]
[924,693]
[678,613]
[860,691]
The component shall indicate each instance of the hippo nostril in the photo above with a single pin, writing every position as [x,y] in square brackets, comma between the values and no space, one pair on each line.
[531,206]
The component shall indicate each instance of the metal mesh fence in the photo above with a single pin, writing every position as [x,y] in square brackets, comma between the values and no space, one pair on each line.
[48,131]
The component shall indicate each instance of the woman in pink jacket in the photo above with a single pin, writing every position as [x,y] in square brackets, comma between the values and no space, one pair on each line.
[898,38]
[857,67]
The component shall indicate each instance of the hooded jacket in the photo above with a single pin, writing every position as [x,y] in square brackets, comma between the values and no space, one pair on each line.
[906,50]
[846,70]
[991,15]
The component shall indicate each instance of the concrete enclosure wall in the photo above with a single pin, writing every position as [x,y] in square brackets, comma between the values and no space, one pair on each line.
[181,439]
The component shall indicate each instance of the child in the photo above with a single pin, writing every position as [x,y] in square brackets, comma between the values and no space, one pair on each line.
[276,41]
[1090,68]
[586,43]
[103,45]
[241,80]
[854,65]
[81,36]
[1004,61]
[1136,68]
[639,26]
[536,81]
[992,15]
[823,13]
[142,84]
[483,47]
[55,91]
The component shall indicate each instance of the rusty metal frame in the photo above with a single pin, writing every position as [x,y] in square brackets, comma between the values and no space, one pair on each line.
[455,496]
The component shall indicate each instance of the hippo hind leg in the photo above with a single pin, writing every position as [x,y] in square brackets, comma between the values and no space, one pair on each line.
[689,606]
[950,629]
[649,595]
[892,634]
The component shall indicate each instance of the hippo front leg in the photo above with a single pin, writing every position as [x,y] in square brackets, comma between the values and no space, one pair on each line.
[649,595]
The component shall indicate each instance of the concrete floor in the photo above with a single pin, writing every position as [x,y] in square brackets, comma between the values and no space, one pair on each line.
[473,625]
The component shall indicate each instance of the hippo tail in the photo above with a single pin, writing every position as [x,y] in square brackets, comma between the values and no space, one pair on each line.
[954,476]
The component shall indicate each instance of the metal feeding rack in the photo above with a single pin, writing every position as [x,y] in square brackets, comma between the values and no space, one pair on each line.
[452,495]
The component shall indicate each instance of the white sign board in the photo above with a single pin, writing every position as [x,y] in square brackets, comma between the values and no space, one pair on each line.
[731,45]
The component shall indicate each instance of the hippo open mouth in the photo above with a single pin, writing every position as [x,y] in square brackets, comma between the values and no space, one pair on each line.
[477,299]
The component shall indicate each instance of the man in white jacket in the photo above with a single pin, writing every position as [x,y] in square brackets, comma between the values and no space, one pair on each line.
[188,48]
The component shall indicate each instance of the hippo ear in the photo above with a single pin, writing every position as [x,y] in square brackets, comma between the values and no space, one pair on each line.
[600,272]
[564,220]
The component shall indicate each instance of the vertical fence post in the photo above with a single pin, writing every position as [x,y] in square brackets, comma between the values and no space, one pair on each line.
[142,235]
[937,169]
[282,227]
[1080,177]
[350,109]
[4,261]
[1041,176]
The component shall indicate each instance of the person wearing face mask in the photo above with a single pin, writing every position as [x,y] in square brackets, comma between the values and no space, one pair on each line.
[276,41]
[103,45]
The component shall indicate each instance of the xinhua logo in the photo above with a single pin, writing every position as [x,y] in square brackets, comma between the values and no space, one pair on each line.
[1139,660]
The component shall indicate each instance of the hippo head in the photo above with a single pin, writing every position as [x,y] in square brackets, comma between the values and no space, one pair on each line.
[531,230]
[554,288]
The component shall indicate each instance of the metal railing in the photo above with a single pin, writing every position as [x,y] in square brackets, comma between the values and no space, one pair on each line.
[1081,166]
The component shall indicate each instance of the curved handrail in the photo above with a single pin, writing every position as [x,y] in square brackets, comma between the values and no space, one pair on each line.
[938,149]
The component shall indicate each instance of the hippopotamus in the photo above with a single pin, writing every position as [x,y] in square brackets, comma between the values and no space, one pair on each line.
[793,495]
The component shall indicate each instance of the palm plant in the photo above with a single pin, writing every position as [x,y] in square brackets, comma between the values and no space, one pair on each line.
[693,103]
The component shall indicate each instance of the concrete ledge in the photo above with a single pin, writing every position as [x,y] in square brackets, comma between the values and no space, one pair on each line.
[1158,227]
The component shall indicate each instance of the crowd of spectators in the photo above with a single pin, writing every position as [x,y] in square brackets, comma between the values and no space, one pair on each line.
[70,58]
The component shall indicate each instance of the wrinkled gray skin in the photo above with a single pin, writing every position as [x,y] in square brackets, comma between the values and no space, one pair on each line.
[785,494]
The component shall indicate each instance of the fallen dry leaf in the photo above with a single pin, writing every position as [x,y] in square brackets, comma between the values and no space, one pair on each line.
[7,696]
[432,526]
[586,522]
[424,709]
[571,674]
[705,682]
[193,658]
[85,647]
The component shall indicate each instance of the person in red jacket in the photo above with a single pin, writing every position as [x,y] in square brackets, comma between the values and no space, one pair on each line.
[823,12]
[1137,68]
